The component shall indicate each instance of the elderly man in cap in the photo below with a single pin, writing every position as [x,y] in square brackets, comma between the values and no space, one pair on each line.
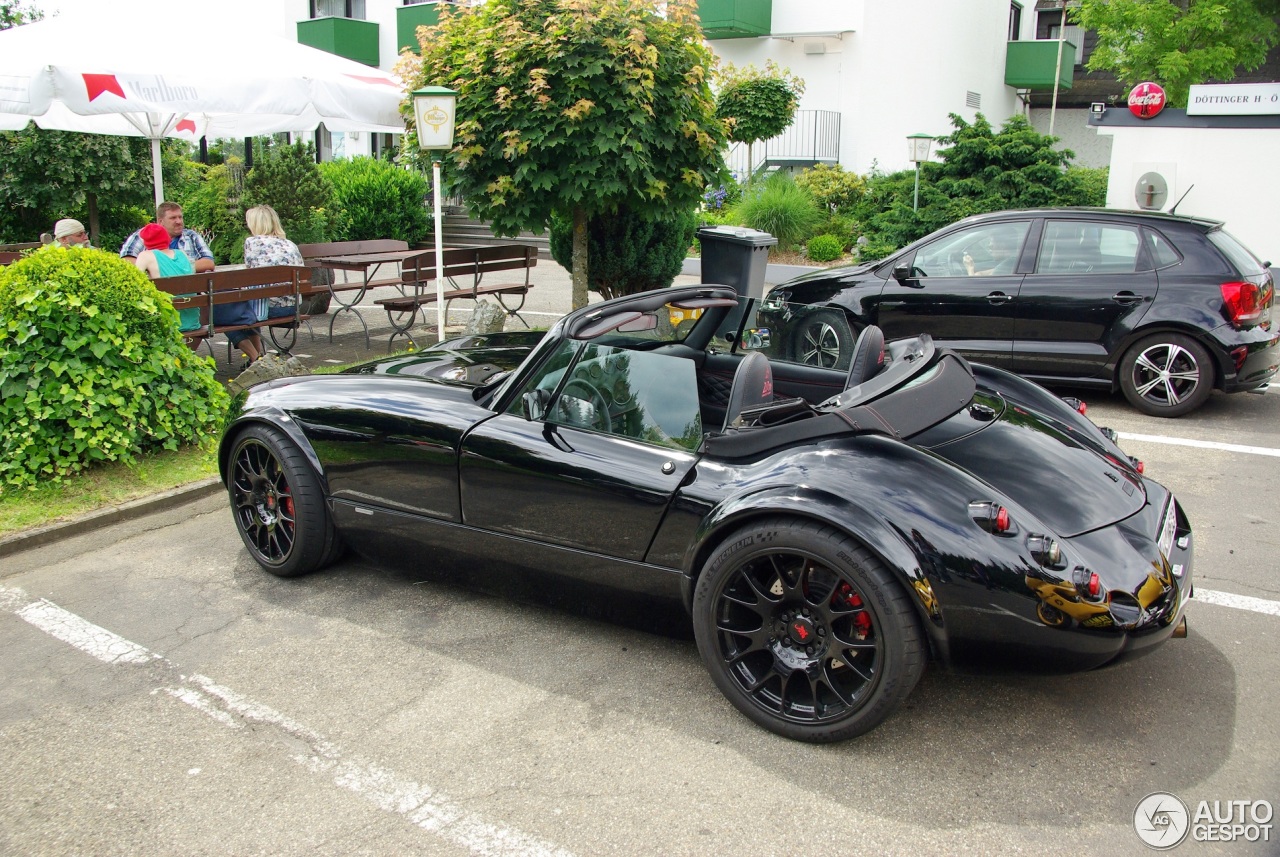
[70,233]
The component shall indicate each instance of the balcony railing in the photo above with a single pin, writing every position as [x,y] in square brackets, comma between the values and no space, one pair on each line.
[813,138]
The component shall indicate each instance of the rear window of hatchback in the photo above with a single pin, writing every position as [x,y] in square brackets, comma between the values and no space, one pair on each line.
[1244,261]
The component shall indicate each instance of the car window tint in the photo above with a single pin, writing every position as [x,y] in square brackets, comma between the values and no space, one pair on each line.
[641,395]
[1244,261]
[991,249]
[1162,252]
[1082,247]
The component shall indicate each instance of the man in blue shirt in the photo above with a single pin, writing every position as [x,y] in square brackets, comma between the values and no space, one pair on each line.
[169,215]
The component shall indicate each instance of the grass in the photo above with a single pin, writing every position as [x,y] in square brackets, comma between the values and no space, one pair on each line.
[106,485]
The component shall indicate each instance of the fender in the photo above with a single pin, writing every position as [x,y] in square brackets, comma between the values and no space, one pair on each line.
[869,528]
[269,415]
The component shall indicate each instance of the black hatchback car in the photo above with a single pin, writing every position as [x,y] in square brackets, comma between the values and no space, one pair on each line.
[1165,307]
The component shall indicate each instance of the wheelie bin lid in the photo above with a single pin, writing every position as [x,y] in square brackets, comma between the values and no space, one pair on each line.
[737,235]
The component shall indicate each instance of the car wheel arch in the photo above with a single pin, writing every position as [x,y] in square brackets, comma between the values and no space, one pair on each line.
[280,422]
[868,529]
[1219,358]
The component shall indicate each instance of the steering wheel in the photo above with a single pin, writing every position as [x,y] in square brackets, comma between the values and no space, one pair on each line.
[600,420]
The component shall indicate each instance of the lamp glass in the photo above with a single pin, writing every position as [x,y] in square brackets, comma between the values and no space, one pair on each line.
[433,109]
[918,147]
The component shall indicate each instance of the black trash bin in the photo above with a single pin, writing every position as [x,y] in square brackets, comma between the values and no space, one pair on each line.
[735,256]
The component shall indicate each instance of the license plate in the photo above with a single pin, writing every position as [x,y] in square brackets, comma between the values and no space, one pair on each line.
[1169,530]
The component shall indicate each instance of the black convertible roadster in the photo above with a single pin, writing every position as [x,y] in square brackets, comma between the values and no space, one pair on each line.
[829,529]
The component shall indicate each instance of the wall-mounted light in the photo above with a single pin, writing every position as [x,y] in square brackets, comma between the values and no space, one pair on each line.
[1097,108]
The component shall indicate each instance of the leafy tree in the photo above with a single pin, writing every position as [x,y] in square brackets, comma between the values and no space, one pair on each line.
[757,104]
[14,13]
[632,253]
[286,177]
[575,107]
[1178,42]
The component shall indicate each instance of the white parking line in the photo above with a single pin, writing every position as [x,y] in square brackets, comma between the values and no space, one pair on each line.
[1201,444]
[1240,602]
[420,804]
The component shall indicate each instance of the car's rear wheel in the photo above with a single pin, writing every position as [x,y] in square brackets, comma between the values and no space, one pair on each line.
[278,504]
[1167,375]
[805,631]
[823,338]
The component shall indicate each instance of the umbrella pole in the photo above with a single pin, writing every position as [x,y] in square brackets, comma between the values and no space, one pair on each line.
[156,176]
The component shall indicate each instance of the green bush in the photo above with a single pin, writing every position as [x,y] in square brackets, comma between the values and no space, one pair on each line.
[831,187]
[825,248]
[213,209]
[93,368]
[780,208]
[287,178]
[379,199]
[627,253]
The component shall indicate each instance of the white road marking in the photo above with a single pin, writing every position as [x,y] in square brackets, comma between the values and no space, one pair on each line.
[1239,602]
[1200,444]
[420,804]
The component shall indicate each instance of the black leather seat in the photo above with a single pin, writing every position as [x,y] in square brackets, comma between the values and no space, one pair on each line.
[752,387]
[868,356]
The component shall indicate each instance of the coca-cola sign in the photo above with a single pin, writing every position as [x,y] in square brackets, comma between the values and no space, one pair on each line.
[1146,100]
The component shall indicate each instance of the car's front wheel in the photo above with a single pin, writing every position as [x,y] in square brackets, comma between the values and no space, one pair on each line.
[805,631]
[278,504]
[1167,375]
[823,338]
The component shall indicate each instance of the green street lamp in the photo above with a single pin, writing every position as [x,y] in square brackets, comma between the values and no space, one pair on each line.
[433,110]
[918,146]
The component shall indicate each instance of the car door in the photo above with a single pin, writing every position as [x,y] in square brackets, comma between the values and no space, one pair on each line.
[1092,284]
[962,289]
[590,454]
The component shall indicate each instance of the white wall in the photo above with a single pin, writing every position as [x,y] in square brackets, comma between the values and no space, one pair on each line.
[1234,172]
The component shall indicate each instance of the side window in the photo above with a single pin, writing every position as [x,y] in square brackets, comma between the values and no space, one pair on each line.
[1080,247]
[640,395]
[1162,252]
[980,251]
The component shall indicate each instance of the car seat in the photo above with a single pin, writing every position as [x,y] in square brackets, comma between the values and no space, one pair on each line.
[868,356]
[752,387]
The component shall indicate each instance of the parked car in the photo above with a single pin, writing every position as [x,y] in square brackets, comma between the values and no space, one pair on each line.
[829,531]
[1164,307]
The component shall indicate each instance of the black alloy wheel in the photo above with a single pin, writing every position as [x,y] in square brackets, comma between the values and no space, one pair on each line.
[823,339]
[805,631]
[278,504]
[1167,375]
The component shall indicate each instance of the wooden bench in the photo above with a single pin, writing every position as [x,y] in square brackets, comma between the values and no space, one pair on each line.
[20,247]
[324,283]
[8,257]
[217,288]
[473,263]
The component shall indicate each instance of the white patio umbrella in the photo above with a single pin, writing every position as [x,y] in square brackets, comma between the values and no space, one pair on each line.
[138,71]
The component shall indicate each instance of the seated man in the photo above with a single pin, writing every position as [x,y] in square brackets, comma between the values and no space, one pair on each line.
[1004,247]
[70,233]
[169,215]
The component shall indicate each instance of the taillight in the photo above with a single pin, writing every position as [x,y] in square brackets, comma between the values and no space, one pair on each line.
[1137,465]
[1087,583]
[992,517]
[1076,405]
[1045,550]
[1242,302]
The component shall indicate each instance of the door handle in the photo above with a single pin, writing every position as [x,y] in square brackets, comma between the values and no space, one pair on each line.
[1126,298]
[998,298]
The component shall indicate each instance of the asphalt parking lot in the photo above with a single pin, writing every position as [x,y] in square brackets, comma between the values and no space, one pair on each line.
[160,694]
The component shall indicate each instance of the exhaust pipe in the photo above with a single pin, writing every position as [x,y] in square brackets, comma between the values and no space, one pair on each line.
[1180,632]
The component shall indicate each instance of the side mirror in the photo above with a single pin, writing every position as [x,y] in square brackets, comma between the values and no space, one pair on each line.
[902,273]
[535,405]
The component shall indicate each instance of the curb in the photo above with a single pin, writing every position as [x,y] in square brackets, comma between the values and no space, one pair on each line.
[110,515]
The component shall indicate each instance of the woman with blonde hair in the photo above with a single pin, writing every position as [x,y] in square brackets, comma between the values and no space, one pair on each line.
[267,245]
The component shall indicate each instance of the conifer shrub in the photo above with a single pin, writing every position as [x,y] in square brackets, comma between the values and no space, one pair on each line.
[627,253]
[379,199]
[93,368]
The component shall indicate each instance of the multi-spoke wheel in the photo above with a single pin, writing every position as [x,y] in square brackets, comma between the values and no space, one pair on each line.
[1167,375]
[805,631]
[278,505]
[823,338]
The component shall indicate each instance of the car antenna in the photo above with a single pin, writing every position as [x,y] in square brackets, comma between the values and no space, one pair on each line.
[1174,210]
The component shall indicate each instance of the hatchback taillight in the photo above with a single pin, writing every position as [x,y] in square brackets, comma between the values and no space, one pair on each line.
[1242,302]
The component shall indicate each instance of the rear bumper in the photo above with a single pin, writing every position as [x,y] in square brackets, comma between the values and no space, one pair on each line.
[1252,357]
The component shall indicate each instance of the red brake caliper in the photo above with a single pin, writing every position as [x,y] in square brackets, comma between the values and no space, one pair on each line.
[846,597]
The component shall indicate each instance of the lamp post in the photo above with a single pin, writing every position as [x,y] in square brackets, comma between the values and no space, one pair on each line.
[433,110]
[918,147]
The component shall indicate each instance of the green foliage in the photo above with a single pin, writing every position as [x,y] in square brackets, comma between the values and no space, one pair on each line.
[1086,185]
[757,104]
[380,199]
[92,368]
[1178,44]
[825,248]
[16,12]
[213,209]
[287,178]
[630,253]
[780,208]
[597,107]
[831,187]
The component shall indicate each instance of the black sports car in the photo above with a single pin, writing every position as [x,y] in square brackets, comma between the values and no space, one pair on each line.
[1166,308]
[830,532]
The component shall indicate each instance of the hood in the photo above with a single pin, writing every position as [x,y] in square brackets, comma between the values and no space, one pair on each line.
[1070,485]
[468,361]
